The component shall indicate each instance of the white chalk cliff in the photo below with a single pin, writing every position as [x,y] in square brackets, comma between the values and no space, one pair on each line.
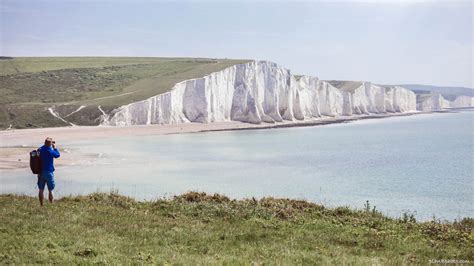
[462,101]
[261,91]
[436,102]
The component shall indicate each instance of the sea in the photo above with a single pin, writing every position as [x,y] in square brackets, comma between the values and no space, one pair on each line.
[420,164]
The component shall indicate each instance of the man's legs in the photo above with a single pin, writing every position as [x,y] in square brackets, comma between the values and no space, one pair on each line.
[41,183]
[41,196]
[50,196]
[51,184]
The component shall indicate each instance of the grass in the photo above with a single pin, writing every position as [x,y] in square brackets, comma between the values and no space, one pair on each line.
[30,85]
[196,228]
[18,65]
[350,86]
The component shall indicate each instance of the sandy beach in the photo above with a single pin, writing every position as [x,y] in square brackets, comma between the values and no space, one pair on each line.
[18,157]
[16,144]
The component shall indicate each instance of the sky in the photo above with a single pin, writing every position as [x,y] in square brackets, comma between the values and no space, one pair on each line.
[387,42]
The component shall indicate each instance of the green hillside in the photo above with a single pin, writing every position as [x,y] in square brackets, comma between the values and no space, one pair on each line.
[31,85]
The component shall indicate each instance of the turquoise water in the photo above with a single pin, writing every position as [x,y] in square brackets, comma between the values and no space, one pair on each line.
[421,164]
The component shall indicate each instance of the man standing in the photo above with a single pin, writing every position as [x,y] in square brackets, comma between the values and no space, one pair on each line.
[47,154]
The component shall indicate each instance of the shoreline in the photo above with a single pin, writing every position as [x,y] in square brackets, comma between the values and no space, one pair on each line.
[29,137]
[15,144]
[327,121]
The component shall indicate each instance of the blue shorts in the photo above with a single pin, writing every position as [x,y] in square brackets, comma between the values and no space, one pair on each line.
[46,178]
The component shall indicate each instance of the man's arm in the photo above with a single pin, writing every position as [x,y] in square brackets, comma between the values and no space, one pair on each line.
[55,152]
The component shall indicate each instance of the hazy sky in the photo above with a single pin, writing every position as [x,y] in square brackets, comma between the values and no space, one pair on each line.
[390,42]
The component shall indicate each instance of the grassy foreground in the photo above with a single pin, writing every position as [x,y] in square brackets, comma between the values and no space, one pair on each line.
[199,228]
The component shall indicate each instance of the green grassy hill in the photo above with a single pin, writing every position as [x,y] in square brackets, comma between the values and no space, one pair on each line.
[196,228]
[29,86]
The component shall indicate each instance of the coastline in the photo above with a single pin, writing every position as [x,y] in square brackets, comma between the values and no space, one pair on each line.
[16,144]
[327,121]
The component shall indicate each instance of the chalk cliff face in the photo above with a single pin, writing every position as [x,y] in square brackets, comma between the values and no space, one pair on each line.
[462,101]
[257,92]
[436,102]
[433,102]
[369,98]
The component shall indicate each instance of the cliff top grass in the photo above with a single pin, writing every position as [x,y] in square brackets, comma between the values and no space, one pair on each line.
[345,85]
[197,228]
[29,85]
[100,80]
